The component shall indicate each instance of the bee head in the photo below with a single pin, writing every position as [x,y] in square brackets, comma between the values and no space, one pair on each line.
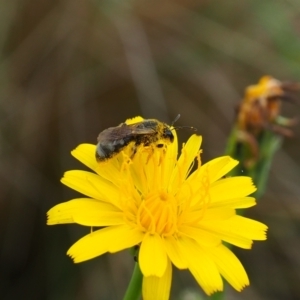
[167,134]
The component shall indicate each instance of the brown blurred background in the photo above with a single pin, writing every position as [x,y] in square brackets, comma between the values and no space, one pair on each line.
[69,69]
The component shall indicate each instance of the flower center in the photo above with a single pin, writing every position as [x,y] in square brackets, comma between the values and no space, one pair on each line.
[158,214]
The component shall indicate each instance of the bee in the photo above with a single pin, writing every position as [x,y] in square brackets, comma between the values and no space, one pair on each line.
[147,133]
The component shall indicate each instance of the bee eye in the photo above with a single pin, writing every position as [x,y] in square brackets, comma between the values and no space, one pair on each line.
[159,145]
[168,135]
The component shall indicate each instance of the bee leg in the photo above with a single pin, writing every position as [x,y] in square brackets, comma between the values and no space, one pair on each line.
[163,152]
[134,150]
[150,153]
[150,150]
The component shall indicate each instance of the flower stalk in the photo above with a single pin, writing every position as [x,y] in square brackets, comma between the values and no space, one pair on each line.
[134,289]
[268,144]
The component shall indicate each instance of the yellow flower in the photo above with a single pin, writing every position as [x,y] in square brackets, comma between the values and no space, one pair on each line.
[179,212]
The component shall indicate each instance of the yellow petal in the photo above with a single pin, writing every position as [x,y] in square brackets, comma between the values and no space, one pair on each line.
[236,203]
[148,167]
[85,153]
[214,170]
[218,229]
[85,211]
[237,240]
[198,216]
[171,247]
[110,170]
[139,177]
[92,185]
[202,267]
[185,161]
[230,188]
[152,167]
[203,237]
[155,288]
[109,239]
[249,228]
[229,266]
[152,256]
[219,167]
[169,161]
[127,237]
[239,231]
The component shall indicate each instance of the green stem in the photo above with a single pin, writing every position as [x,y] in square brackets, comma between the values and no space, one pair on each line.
[217,296]
[134,289]
[269,146]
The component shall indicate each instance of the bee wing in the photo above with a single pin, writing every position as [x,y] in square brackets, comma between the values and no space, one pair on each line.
[113,133]
[138,131]
[124,132]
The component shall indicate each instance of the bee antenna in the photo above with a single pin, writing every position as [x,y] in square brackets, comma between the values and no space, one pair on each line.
[189,127]
[176,119]
[180,127]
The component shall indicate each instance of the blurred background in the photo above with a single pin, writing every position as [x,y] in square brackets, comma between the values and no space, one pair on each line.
[69,69]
